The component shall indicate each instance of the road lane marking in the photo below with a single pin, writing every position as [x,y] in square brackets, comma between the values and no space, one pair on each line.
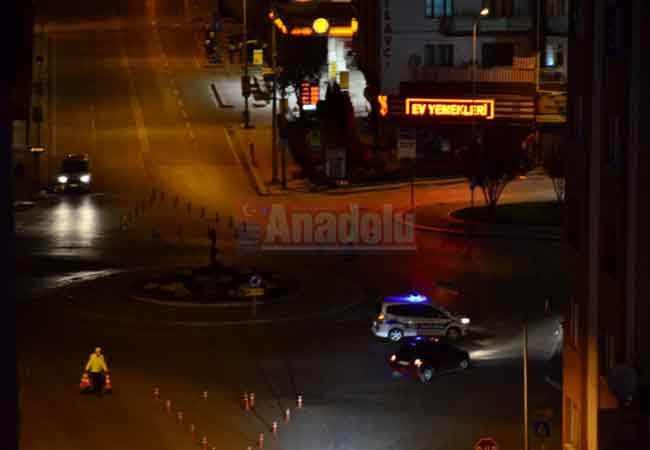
[138,117]
[231,145]
[184,114]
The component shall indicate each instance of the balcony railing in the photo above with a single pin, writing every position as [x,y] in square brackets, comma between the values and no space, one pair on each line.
[465,74]
[463,25]
[557,24]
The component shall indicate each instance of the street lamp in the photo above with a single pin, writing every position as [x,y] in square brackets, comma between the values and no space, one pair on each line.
[245,79]
[484,12]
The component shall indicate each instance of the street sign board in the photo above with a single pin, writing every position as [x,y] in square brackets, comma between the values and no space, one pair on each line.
[406,143]
[335,163]
[258,57]
[253,292]
[314,140]
[486,443]
[255,281]
[332,70]
[344,79]
[542,428]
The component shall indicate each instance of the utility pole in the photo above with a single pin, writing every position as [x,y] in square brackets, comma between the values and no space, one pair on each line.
[274,118]
[245,79]
[525,364]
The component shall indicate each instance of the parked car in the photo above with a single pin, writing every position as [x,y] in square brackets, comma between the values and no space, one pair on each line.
[415,315]
[427,358]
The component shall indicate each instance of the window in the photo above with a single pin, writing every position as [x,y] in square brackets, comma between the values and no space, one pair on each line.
[614,141]
[501,8]
[606,351]
[439,8]
[572,424]
[501,54]
[399,310]
[574,323]
[577,117]
[553,55]
[555,8]
[438,55]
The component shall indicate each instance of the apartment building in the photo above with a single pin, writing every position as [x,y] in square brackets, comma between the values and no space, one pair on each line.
[607,342]
[509,52]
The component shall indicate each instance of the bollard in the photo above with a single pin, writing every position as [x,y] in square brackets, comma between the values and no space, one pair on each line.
[193,431]
[202,212]
[274,428]
[189,207]
[156,393]
[179,417]
[247,405]
[252,400]
[176,202]
[243,226]
[204,396]
[168,407]
[162,197]
[251,147]
[260,441]
[299,401]
[204,443]
[130,216]
[230,222]
[287,415]
[216,217]
[136,211]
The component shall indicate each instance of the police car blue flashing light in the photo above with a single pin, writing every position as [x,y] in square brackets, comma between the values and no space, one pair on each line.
[410,298]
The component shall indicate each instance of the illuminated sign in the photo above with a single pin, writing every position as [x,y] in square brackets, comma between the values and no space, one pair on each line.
[309,95]
[320,25]
[383,105]
[461,108]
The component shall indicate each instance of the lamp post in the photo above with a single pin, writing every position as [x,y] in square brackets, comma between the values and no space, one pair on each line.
[245,79]
[274,118]
[484,12]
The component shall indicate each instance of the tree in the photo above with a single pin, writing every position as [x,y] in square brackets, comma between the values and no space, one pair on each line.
[554,164]
[493,164]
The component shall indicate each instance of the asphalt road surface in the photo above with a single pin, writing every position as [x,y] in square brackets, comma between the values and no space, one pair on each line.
[128,87]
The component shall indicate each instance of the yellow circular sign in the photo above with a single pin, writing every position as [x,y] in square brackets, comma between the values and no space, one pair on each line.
[320,25]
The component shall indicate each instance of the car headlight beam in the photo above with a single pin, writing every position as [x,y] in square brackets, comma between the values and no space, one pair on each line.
[62,179]
[417,362]
[85,179]
[464,320]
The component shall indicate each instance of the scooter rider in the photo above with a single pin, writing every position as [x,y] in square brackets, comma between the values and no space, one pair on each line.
[96,366]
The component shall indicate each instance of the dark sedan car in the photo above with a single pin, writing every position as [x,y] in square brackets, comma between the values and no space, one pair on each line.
[427,358]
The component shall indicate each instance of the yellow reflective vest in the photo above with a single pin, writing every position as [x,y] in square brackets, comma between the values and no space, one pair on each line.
[96,364]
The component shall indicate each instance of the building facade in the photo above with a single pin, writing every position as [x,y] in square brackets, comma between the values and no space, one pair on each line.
[606,346]
[511,52]
[437,41]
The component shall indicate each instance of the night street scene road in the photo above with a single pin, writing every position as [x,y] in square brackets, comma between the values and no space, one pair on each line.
[326,225]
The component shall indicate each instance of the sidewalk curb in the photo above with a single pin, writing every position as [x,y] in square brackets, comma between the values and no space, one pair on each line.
[194,304]
[391,186]
[259,185]
[485,234]
[217,96]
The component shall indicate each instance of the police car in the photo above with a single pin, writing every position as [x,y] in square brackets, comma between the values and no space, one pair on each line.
[415,315]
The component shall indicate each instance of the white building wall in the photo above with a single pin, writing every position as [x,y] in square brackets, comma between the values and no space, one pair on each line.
[405,30]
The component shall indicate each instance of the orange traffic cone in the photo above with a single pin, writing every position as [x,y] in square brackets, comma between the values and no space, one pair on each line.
[84,385]
[108,386]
